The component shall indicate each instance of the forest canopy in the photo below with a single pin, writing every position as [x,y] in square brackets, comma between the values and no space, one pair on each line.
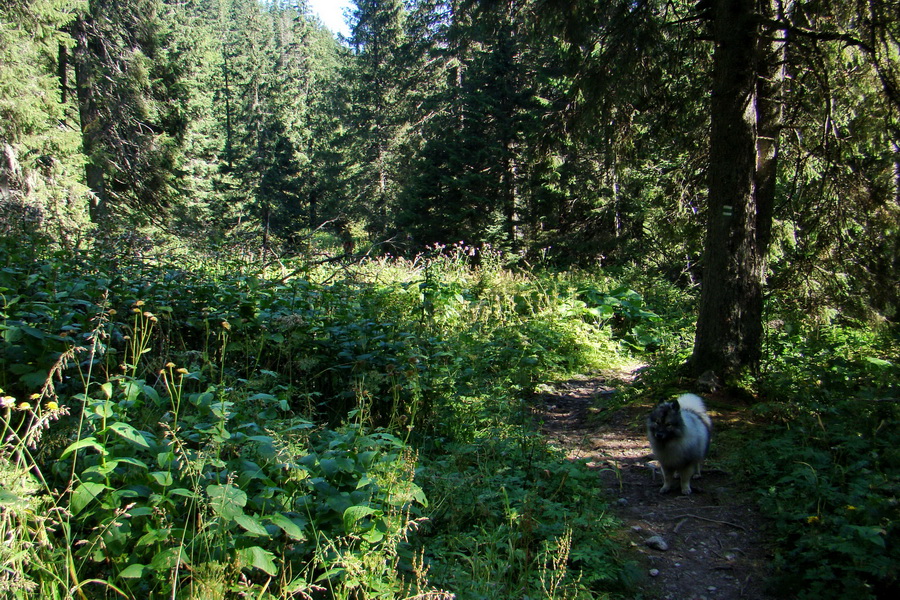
[571,131]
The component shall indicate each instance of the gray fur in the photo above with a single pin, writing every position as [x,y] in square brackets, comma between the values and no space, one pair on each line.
[679,434]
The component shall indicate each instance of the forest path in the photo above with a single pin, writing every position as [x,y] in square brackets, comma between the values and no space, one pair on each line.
[712,546]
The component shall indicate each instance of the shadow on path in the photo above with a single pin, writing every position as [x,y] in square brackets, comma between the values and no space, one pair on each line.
[704,546]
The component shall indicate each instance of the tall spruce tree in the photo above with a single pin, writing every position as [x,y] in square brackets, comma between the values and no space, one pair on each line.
[131,105]
[375,118]
[39,148]
[467,182]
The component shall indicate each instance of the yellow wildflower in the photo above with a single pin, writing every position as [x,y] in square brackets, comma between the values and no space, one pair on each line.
[51,406]
[182,370]
[812,520]
[24,406]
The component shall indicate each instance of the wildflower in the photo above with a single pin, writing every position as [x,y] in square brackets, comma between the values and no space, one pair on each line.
[851,507]
[139,303]
[7,401]
[51,406]
[170,365]
[24,406]
[182,370]
[814,519]
[111,312]
[35,396]
[226,325]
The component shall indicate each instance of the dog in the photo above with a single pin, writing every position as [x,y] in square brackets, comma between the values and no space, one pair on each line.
[679,433]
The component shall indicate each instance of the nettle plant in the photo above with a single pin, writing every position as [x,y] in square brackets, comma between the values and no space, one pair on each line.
[168,481]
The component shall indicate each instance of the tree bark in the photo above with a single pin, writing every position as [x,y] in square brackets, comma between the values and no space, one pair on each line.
[89,117]
[729,327]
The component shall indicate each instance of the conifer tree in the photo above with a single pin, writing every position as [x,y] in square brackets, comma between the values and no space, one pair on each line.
[39,147]
[131,105]
[375,114]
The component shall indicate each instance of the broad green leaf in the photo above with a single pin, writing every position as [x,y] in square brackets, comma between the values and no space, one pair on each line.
[355,514]
[165,459]
[151,393]
[133,571]
[130,433]
[182,492]
[878,362]
[35,379]
[84,494]
[290,526]
[169,559]
[329,466]
[251,524]
[258,558]
[8,498]
[163,478]
[103,409]
[132,461]
[35,333]
[152,537]
[373,536]
[88,442]
[227,501]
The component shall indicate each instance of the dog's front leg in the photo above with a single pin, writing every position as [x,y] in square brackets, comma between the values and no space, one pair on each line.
[668,479]
[686,474]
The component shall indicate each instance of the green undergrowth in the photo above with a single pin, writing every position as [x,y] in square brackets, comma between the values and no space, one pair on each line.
[194,429]
[827,464]
[824,459]
[814,440]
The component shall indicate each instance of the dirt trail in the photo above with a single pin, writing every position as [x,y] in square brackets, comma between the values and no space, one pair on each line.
[711,544]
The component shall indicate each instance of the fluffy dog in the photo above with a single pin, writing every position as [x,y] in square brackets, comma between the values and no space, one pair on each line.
[679,434]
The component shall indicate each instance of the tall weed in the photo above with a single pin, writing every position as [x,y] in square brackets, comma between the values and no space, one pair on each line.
[201,432]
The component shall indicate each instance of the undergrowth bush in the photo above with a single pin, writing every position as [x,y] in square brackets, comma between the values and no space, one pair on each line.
[827,468]
[176,431]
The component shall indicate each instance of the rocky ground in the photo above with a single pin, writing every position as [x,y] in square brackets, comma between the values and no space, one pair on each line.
[707,545]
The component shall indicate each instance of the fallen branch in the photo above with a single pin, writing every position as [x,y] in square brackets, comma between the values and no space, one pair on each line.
[741,527]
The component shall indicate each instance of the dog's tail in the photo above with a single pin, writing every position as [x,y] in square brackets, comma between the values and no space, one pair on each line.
[694,403]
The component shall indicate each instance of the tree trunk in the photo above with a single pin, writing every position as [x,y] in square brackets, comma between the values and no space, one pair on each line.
[89,117]
[729,328]
[772,71]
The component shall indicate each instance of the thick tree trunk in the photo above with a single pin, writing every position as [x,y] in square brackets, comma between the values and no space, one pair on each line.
[729,328]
